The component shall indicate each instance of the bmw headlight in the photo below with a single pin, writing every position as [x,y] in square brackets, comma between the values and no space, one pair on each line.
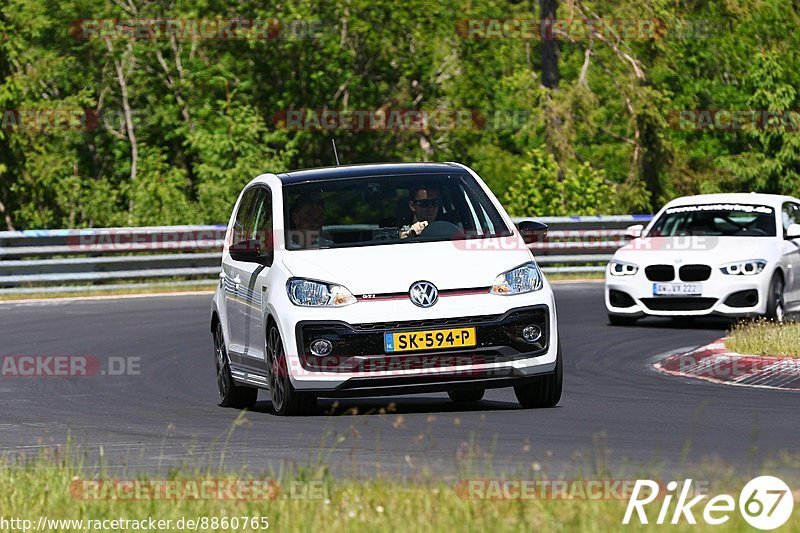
[750,267]
[621,268]
[310,293]
[525,278]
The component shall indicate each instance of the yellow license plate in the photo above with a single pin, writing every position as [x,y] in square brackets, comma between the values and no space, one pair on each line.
[429,340]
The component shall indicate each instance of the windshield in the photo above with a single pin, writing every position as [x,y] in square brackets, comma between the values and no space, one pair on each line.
[722,220]
[388,210]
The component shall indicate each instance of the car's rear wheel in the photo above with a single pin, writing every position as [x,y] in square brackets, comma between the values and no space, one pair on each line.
[466,396]
[776,305]
[544,390]
[617,320]
[286,401]
[230,394]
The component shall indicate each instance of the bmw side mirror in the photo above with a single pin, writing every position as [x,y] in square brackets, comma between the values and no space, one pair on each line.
[532,231]
[250,251]
[793,231]
[635,231]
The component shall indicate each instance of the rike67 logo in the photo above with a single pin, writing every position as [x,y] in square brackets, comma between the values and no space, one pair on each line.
[765,502]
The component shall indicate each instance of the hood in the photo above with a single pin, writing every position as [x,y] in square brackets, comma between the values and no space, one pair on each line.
[700,249]
[394,268]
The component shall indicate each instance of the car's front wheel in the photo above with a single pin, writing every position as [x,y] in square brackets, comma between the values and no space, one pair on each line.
[776,306]
[230,394]
[286,401]
[544,390]
[466,396]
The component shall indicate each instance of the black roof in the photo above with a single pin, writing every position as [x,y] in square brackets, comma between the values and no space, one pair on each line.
[364,171]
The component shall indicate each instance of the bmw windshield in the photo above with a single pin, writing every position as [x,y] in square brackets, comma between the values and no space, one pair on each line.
[348,212]
[720,220]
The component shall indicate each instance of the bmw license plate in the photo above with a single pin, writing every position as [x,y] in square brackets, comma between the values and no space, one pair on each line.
[677,289]
[438,339]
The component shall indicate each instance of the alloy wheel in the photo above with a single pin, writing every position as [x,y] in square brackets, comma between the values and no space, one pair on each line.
[277,386]
[221,363]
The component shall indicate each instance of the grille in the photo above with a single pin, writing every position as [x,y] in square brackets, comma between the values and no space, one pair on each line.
[660,272]
[679,304]
[429,323]
[695,272]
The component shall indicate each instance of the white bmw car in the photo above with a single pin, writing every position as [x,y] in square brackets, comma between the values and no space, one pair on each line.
[380,279]
[735,255]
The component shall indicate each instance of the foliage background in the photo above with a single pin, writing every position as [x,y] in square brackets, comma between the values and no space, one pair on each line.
[185,123]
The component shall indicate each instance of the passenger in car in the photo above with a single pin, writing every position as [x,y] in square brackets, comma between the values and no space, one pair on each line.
[424,202]
[307,215]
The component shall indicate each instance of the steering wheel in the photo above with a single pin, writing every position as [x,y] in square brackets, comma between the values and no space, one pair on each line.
[439,229]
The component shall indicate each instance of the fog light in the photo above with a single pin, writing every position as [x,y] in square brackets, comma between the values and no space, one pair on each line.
[532,333]
[321,347]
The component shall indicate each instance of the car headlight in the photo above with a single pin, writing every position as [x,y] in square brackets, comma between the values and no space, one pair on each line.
[750,267]
[310,293]
[525,278]
[621,268]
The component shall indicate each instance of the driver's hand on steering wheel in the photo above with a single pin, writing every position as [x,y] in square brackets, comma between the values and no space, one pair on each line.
[417,227]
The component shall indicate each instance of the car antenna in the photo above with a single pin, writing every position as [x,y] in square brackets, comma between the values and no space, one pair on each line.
[335,154]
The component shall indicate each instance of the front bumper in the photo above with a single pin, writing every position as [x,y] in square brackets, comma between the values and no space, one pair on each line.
[723,295]
[420,384]
[360,348]
[500,359]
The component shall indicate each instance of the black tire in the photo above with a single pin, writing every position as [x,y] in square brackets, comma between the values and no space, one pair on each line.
[617,320]
[230,394]
[466,395]
[286,401]
[776,305]
[542,391]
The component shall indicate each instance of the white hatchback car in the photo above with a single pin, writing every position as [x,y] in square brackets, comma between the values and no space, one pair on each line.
[735,255]
[380,279]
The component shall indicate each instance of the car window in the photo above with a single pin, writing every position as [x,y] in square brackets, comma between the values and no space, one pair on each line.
[790,215]
[721,220]
[381,210]
[262,219]
[243,223]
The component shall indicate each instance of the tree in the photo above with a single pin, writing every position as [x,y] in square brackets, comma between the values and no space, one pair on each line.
[542,189]
[770,160]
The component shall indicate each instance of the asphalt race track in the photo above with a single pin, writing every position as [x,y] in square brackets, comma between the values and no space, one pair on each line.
[615,407]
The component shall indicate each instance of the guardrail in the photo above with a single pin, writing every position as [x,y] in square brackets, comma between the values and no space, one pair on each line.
[46,260]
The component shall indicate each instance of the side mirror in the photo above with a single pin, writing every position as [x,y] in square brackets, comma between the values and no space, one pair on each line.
[532,231]
[635,231]
[249,251]
[793,231]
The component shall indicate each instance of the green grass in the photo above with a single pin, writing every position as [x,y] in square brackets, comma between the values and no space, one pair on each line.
[31,488]
[98,290]
[763,337]
[575,276]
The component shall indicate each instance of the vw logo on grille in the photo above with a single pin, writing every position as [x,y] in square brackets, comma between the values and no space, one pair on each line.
[423,293]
